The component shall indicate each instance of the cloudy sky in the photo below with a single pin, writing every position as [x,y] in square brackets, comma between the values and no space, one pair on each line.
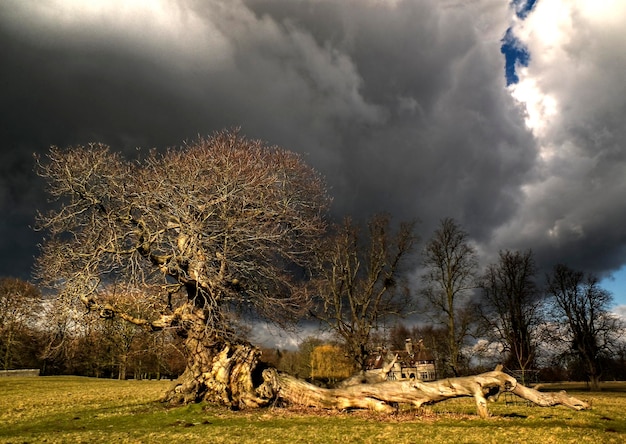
[404,105]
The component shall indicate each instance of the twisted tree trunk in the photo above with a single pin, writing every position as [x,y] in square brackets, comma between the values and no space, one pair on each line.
[220,372]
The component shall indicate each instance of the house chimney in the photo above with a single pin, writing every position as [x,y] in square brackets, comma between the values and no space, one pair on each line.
[409,346]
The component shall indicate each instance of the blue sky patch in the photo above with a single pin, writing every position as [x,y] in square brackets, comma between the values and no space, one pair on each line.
[514,53]
[523,7]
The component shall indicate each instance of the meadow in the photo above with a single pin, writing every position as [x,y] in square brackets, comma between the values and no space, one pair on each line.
[83,410]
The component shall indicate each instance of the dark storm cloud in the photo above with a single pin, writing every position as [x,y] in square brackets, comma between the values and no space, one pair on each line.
[402,105]
[451,141]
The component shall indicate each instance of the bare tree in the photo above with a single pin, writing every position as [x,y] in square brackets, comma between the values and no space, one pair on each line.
[223,227]
[511,307]
[20,303]
[122,336]
[360,281]
[301,363]
[73,338]
[582,306]
[450,264]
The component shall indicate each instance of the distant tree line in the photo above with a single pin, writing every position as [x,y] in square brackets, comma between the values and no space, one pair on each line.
[553,327]
[557,326]
[35,334]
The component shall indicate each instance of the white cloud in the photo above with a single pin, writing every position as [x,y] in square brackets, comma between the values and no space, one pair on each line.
[620,310]
[267,335]
[574,97]
[166,31]
[541,108]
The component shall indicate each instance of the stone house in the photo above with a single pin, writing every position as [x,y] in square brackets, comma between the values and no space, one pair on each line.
[414,362]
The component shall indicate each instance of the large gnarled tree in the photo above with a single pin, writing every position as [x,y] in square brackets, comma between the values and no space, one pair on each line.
[223,227]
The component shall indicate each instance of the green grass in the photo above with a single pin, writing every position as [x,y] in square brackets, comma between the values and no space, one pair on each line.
[84,410]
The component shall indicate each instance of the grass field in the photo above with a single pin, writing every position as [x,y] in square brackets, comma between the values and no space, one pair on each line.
[84,410]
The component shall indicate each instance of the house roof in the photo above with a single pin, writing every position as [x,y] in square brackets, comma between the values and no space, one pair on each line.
[413,355]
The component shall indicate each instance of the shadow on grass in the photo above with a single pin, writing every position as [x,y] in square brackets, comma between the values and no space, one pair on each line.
[514,415]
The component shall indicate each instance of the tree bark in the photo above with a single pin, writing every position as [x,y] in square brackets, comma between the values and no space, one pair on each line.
[549,399]
[594,382]
[220,372]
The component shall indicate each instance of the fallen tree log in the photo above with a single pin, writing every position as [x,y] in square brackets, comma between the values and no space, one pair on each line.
[232,375]
[369,376]
[543,399]
[383,396]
